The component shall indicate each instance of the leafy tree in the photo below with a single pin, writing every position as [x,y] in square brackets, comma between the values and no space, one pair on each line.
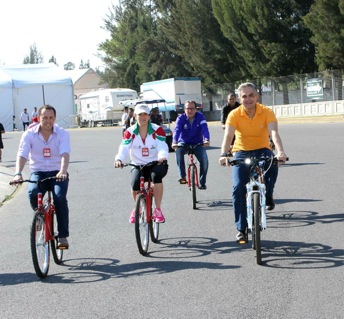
[53,60]
[34,57]
[137,50]
[69,66]
[194,34]
[85,65]
[326,21]
[268,35]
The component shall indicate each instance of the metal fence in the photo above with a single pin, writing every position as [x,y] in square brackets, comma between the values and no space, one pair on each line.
[300,88]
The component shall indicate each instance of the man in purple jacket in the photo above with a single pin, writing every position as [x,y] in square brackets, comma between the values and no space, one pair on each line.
[191,129]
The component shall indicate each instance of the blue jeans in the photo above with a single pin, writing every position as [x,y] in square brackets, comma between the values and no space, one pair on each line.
[240,177]
[202,158]
[59,191]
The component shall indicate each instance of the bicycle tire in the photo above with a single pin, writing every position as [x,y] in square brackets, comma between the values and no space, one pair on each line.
[57,253]
[141,225]
[257,221]
[40,249]
[153,226]
[193,186]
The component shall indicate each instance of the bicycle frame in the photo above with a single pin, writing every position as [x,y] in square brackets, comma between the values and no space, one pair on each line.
[147,191]
[48,211]
[192,163]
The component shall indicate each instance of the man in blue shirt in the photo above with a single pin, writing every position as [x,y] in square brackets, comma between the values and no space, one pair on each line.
[191,129]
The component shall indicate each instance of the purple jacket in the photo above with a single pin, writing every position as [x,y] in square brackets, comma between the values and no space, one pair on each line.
[193,134]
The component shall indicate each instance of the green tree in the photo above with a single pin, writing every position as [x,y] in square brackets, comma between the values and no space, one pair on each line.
[137,50]
[194,34]
[69,66]
[53,60]
[85,65]
[34,57]
[268,35]
[326,21]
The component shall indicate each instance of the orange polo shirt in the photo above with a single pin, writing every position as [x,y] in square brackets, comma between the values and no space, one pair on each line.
[251,134]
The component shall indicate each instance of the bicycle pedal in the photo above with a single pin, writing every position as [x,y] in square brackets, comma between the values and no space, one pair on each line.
[242,241]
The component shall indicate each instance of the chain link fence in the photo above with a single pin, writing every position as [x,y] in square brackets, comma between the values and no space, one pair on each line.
[300,88]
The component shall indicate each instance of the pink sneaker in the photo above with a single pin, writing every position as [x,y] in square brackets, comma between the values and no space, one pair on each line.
[132,216]
[158,216]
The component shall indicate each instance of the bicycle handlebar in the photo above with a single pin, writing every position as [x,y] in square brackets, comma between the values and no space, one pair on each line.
[31,181]
[254,160]
[142,165]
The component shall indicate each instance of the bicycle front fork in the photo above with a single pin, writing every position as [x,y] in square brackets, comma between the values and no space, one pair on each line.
[261,191]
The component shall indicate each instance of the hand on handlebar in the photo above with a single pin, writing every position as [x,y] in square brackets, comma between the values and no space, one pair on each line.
[174,146]
[16,180]
[118,164]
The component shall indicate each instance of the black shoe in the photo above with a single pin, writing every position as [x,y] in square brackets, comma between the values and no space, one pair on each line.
[202,187]
[241,237]
[270,204]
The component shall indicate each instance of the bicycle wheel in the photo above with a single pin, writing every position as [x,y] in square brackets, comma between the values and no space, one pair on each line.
[40,250]
[193,186]
[153,226]
[57,253]
[141,225]
[256,230]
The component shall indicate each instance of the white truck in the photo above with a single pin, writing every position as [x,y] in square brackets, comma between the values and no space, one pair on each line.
[102,107]
[175,91]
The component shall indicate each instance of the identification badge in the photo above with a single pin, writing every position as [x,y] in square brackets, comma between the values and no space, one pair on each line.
[46,153]
[145,151]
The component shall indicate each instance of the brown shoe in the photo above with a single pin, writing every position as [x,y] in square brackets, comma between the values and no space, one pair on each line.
[63,243]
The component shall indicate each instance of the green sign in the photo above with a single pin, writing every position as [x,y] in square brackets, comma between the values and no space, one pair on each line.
[315,89]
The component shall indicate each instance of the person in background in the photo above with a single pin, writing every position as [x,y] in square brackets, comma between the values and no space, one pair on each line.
[2,131]
[25,118]
[47,147]
[14,123]
[124,118]
[231,105]
[145,142]
[252,124]
[156,117]
[130,118]
[191,128]
[34,113]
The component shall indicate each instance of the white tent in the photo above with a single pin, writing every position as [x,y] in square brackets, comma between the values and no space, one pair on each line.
[6,101]
[35,85]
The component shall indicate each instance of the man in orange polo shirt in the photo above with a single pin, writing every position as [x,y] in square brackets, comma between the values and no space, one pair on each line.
[252,123]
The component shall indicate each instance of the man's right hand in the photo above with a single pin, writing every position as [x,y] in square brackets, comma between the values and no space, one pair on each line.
[16,179]
[118,164]
[174,146]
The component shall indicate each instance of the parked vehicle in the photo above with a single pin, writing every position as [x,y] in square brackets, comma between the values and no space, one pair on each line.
[102,107]
[175,91]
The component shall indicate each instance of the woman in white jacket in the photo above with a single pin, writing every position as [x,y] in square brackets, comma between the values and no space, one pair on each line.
[145,142]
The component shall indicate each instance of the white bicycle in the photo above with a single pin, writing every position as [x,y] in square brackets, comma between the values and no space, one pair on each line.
[255,199]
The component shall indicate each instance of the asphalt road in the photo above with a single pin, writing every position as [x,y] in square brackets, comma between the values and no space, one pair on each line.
[196,270]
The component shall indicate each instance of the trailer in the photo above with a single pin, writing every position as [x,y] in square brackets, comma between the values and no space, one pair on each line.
[175,91]
[103,107]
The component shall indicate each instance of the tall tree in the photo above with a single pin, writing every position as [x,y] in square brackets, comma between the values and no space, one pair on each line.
[53,60]
[326,21]
[268,35]
[194,34]
[34,57]
[69,66]
[137,51]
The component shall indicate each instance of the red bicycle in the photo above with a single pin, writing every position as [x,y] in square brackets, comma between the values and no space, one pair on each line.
[192,173]
[44,231]
[145,224]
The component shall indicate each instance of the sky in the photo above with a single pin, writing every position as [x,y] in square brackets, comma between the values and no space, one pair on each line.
[69,30]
